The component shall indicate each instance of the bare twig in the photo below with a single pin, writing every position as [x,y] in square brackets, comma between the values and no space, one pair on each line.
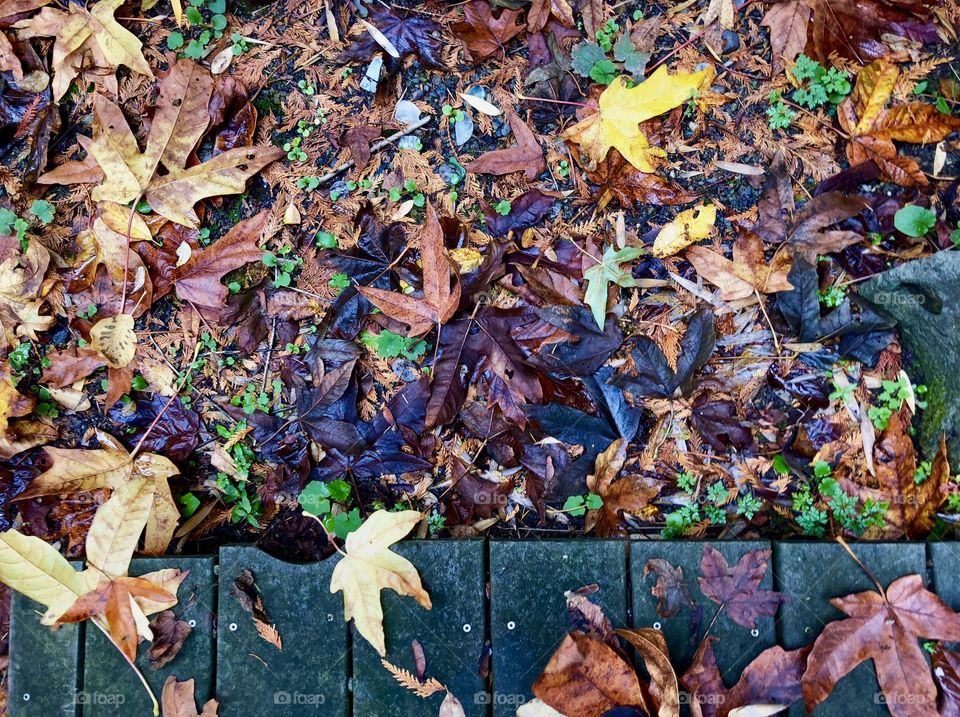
[376,148]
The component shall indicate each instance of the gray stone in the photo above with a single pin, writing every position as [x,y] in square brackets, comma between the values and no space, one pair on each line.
[945,558]
[452,633]
[528,617]
[112,689]
[736,645]
[44,663]
[309,675]
[924,297]
[811,574]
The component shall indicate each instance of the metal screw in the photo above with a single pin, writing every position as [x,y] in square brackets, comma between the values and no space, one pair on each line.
[233,627]
[656,626]
[467,627]
[26,696]
[192,623]
[511,625]
[755,632]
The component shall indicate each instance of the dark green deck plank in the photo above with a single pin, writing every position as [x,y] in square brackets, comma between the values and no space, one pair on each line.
[945,558]
[44,663]
[452,633]
[813,573]
[737,645]
[110,687]
[309,675]
[528,617]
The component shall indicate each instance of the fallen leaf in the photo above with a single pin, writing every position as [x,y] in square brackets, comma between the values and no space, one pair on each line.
[651,645]
[788,23]
[368,566]
[737,589]
[621,110]
[180,120]
[631,494]
[525,156]
[80,469]
[586,678]
[357,140]
[883,627]
[412,35]
[199,279]
[115,340]
[451,707]
[686,228]
[169,634]
[21,289]
[604,272]
[750,272]
[177,700]
[439,302]
[767,685]
[484,35]
[618,179]
[81,34]
[670,589]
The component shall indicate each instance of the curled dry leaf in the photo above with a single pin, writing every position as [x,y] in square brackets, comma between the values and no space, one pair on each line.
[670,589]
[484,35]
[687,228]
[748,273]
[631,494]
[115,340]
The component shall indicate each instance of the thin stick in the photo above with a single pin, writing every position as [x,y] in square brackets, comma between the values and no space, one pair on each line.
[266,363]
[863,567]
[376,148]
[133,666]
[776,343]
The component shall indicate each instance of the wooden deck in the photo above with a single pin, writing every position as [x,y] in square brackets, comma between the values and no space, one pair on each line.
[507,596]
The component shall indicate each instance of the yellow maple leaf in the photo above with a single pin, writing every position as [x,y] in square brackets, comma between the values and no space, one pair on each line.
[368,566]
[87,40]
[622,109]
[686,228]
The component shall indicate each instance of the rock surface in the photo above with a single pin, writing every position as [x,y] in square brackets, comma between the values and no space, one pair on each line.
[924,297]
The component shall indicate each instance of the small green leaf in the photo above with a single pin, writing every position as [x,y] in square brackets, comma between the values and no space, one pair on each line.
[914,221]
[584,56]
[575,505]
[174,41]
[42,210]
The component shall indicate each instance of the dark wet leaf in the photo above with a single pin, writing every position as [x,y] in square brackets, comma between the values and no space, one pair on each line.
[737,588]
[717,421]
[169,634]
[578,349]
[175,435]
[670,588]
[410,35]
[652,375]
[525,211]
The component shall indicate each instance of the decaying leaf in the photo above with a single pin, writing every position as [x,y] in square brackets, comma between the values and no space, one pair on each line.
[750,272]
[618,179]
[670,588]
[525,156]
[177,700]
[484,35]
[87,36]
[439,300]
[180,120]
[686,228]
[368,566]
[78,469]
[630,494]
[115,340]
[21,293]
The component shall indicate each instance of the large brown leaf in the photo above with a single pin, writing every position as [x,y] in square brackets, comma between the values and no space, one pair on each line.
[618,179]
[748,273]
[772,678]
[885,628]
[788,23]
[180,121]
[585,677]
[439,301]
[631,494]
[198,280]
[484,35]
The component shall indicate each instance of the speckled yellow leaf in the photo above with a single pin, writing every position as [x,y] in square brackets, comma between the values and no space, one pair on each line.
[467,259]
[115,339]
[616,124]
[687,227]
[872,91]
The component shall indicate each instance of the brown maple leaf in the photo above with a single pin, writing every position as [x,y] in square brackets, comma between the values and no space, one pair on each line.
[439,301]
[525,156]
[749,273]
[631,494]
[198,280]
[670,589]
[620,180]
[484,35]
[788,23]
[737,589]
[911,506]
[873,127]
[772,678]
[883,626]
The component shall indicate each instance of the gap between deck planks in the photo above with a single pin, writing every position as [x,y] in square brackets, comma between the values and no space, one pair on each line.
[508,594]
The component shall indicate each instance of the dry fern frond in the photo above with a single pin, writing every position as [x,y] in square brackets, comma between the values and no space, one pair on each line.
[407,680]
